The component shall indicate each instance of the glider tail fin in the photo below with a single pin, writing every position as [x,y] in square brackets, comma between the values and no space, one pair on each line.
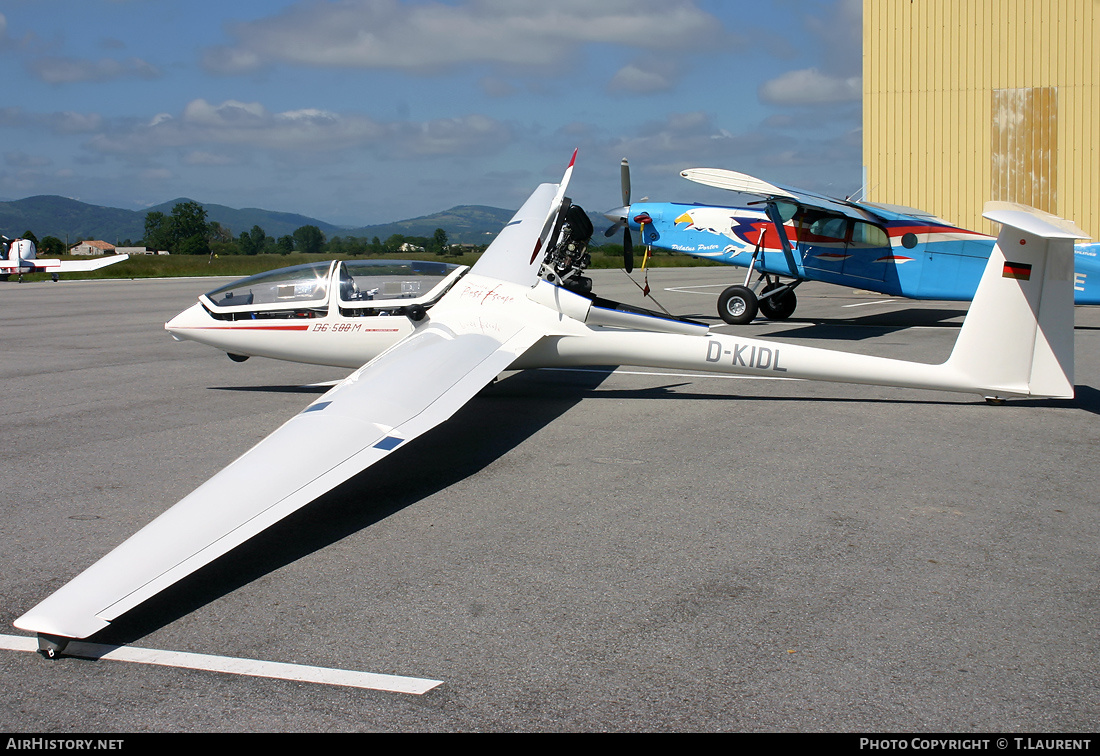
[1017,338]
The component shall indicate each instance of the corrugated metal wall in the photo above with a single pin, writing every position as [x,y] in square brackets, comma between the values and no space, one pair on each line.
[970,100]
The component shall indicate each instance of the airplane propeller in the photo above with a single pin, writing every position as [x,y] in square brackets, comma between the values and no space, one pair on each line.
[620,217]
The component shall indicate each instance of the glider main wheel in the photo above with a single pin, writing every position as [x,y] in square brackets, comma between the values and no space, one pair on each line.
[51,646]
[737,305]
[778,306]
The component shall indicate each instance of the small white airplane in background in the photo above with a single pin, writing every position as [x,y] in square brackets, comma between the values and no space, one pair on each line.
[19,257]
[426,349]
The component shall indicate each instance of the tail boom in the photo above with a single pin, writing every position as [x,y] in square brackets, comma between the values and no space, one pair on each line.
[1016,341]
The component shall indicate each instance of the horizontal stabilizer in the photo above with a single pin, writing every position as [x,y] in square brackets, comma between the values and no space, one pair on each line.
[83,266]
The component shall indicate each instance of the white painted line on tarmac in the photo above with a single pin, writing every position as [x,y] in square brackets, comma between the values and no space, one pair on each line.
[864,304]
[726,376]
[688,289]
[231,666]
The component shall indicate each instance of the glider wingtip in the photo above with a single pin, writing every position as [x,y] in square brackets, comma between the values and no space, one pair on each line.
[50,625]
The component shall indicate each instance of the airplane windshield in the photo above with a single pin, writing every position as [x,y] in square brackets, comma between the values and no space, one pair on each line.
[301,284]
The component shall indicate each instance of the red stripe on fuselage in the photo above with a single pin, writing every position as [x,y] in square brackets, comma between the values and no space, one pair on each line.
[246,328]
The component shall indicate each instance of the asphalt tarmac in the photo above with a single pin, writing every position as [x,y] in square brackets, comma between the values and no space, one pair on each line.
[641,550]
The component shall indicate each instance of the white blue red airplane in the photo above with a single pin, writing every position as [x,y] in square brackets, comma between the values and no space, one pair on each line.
[20,256]
[425,342]
[791,236]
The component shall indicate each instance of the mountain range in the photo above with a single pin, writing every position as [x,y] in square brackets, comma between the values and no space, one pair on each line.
[71,220]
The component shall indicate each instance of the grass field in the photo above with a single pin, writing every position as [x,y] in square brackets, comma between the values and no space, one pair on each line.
[174,266]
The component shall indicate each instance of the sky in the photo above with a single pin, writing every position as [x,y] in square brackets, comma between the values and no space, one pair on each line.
[369,111]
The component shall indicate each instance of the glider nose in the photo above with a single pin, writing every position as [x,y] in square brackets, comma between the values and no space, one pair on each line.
[193,317]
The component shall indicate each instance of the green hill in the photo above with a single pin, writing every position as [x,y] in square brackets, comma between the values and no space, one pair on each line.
[274,223]
[464,224]
[71,220]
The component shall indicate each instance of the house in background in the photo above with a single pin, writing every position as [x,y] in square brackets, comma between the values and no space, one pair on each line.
[93,248]
[138,251]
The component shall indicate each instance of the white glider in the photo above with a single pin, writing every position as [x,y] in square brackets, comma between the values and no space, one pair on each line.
[524,304]
[20,256]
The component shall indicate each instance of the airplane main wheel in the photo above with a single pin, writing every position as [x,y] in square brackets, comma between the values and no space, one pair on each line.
[779,306]
[737,305]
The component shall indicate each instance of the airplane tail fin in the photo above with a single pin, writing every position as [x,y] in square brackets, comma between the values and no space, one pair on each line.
[1017,338]
[529,232]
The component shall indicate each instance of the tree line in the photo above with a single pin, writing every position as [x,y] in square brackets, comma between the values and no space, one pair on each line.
[187,232]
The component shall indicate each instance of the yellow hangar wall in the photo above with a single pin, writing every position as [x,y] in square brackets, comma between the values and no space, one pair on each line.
[966,101]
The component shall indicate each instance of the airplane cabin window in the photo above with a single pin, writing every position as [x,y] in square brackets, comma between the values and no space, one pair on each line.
[824,228]
[869,235]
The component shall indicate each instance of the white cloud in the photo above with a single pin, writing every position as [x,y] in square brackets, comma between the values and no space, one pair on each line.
[469,135]
[230,113]
[429,35]
[840,32]
[810,86]
[204,129]
[65,122]
[692,136]
[20,159]
[496,87]
[156,174]
[837,76]
[59,70]
[645,78]
[199,157]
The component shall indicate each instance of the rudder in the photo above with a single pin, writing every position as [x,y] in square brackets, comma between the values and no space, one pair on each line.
[1017,339]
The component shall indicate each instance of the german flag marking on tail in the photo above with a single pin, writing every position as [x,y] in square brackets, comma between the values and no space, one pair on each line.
[1020,271]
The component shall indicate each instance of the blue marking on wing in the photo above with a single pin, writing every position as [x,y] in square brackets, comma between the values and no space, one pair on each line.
[316,407]
[389,443]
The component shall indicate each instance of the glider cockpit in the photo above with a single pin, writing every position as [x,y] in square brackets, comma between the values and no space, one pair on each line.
[326,313]
[356,288]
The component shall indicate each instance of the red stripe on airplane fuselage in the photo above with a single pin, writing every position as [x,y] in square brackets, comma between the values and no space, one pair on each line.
[246,328]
